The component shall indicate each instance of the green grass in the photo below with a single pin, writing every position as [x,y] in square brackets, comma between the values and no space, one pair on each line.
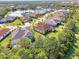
[33,20]
[6,41]
[52,34]
[15,23]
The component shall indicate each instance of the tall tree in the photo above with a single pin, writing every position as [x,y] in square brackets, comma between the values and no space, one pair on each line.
[24,42]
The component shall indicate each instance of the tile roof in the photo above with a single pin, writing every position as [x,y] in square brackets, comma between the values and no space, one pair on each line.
[50,22]
[58,14]
[10,18]
[18,35]
[43,27]
[3,31]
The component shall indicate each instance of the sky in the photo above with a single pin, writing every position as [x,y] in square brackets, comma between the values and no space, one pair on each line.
[39,0]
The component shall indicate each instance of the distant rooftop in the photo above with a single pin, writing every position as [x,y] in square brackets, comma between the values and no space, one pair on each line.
[39,0]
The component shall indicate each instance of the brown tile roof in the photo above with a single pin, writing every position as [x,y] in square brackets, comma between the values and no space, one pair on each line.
[57,14]
[3,31]
[18,34]
[42,27]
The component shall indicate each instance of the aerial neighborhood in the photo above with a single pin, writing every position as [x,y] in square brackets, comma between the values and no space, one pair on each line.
[51,28]
[48,21]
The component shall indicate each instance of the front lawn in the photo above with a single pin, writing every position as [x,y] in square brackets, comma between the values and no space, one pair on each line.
[6,41]
[33,20]
[15,23]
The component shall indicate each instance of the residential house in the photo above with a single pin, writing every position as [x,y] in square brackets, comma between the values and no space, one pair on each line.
[50,21]
[58,14]
[40,11]
[4,32]
[10,19]
[28,16]
[55,18]
[65,11]
[7,20]
[30,11]
[16,14]
[43,28]
[20,33]
[29,35]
